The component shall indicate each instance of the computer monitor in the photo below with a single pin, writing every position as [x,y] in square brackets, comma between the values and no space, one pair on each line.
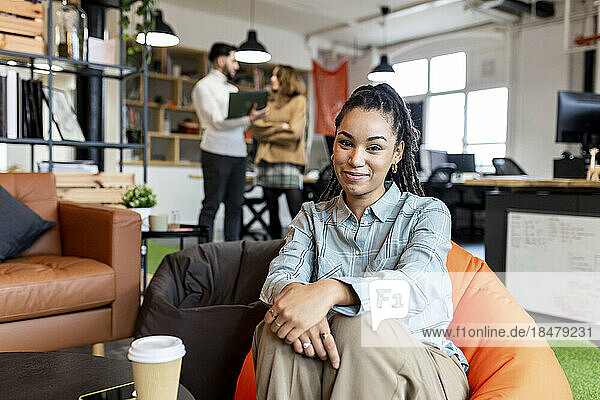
[437,157]
[464,162]
[578,119]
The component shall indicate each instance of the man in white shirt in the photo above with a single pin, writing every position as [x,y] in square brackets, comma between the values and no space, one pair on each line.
[223,145]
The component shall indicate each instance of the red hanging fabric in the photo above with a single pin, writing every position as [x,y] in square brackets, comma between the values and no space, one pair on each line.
[331,91]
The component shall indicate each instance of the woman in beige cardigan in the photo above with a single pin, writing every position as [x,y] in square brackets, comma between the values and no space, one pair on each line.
[280,156]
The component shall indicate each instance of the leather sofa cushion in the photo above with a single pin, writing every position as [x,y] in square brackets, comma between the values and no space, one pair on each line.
[37,286]
[38,192]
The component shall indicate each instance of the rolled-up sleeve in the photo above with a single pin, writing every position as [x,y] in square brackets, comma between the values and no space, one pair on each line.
[422,264]
[294,263]
[209,112]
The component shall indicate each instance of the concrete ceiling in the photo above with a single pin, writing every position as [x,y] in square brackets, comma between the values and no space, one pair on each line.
[350,22]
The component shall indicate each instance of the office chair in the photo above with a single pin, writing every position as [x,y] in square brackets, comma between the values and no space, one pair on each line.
[257,207]
[313,191]
[439,185]
[440,182]
[507,166]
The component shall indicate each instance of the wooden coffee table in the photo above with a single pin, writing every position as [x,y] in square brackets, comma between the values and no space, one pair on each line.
[62,375]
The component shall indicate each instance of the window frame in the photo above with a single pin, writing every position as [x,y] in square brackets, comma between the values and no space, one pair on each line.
[469,87]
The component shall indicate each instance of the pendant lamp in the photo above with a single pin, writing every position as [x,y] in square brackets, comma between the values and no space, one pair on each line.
[252,51]
[161,36]
[383,71]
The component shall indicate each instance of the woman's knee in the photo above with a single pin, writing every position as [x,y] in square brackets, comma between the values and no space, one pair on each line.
[357,332]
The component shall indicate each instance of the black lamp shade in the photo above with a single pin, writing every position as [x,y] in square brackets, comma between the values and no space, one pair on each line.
[252,51]
[382,72]
[160,25]
[162,35]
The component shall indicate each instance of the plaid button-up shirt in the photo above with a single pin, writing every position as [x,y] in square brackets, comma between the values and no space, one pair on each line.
[400,236]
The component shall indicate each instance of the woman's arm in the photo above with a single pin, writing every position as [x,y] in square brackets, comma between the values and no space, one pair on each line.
[296,126]
[422,264]
[294,263]
[261,128]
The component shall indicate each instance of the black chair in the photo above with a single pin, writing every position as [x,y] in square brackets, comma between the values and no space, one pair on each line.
[207,295]
[257,207]
[507,166]
[440,182]
[439,185]
[313,191]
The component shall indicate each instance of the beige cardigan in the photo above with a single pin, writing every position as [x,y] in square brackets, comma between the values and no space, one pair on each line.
[279,145]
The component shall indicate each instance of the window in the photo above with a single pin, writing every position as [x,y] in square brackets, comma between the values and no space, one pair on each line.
[445,122]
[459,119]
[448,72]
[411,78]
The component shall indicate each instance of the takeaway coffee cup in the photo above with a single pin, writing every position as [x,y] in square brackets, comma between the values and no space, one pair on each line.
[156,362]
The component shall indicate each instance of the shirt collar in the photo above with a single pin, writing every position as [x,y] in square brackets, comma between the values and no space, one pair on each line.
[381,209]
[218,75]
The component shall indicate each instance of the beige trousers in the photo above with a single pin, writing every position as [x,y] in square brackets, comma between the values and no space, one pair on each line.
[401,367]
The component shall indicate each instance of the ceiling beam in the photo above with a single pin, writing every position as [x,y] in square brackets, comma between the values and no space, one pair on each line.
[398,12]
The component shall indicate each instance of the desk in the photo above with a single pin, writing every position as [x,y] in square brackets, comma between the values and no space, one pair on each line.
[530,183]
[250,178]
[584,198]
[62,375]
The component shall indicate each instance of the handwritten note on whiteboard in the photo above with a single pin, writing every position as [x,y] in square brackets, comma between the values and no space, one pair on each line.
[553,264]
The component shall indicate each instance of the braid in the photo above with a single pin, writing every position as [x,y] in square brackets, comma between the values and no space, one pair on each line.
[384,99]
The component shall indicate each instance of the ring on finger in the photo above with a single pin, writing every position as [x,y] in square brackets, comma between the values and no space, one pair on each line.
[272,312]
[278,324]
[306,345]
[324,335]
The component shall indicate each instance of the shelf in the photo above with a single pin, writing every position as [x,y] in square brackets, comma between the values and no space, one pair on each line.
[243,86]
[152,104]
[164,163]
[165,77]
[173,135]
[72,143]
[24,60]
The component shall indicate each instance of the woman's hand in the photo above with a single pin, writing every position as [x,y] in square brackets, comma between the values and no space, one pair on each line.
[299,307]
[311,343]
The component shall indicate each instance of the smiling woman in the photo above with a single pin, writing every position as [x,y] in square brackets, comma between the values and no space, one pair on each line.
[372,223]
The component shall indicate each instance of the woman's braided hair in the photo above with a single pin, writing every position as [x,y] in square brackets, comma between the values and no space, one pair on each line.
[385,100]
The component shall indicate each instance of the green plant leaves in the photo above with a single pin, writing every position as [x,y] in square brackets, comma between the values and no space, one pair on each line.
[139,196]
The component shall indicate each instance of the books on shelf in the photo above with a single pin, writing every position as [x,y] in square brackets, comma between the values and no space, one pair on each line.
[20,107]
[75,167]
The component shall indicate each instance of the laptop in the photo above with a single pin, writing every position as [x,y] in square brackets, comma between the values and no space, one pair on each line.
[240,103]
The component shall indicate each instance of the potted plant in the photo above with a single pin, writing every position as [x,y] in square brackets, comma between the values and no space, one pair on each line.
[140,198]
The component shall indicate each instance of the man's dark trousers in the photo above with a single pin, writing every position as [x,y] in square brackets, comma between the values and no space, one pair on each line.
[224,181]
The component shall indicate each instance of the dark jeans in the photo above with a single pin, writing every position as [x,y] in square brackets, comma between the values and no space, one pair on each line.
[224,181]
[294,201]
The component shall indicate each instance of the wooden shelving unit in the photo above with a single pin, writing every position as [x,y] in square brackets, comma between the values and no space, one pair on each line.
[25,57]
[170,98]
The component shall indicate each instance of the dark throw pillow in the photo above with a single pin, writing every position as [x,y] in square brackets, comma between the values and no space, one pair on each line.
[20,227]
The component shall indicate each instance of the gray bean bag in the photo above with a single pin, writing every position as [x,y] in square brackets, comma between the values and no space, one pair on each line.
[208,296]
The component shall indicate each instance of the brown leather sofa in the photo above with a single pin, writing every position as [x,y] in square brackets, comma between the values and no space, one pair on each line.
[79,283]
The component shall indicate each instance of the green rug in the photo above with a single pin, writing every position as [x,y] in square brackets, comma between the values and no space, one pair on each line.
[581,364]
[582,368]
[156,252]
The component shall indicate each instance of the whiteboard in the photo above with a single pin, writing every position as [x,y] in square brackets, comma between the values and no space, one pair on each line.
[553,263]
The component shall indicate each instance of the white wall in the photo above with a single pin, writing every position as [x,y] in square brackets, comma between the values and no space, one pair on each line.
[541,68]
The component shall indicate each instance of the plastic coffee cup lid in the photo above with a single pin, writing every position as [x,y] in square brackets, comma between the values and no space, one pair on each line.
[156,349]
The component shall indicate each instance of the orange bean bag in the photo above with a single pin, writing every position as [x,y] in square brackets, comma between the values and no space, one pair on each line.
[495,372]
